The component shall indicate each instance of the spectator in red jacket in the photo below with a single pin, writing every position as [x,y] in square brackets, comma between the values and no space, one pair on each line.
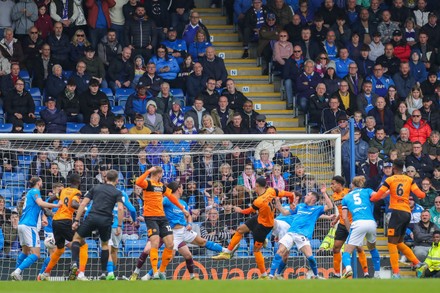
[98,19]
[419,129]
[401,49]
[44,22]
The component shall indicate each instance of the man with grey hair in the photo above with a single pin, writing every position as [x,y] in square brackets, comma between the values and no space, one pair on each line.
[403,144]
[93,127]
[306,84]
[10,47]
[369,131]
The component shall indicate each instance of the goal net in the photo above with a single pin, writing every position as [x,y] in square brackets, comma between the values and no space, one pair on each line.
[217,172]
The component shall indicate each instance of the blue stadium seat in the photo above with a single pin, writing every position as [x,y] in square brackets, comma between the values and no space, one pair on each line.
[120,93]
[186,109]
[7,194]
[38,109]
[73,127]
[135,246]
[118,110]
[17,192]
[177,93]
[29,127]
[142,231]
[108,92]
[67,74]
[13,179]
[93,245]
[129,125]
[6,127]
[24,74]
[24,160]
[2,115]
[315,243]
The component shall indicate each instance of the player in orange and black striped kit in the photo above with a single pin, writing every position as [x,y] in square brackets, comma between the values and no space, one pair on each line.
[157,224]
[259,225]
[337,186]
[399,186]
[62,227]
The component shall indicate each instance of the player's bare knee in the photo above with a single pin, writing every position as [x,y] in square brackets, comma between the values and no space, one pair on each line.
[371,245]
[105,246]
[258,246]
[200,241]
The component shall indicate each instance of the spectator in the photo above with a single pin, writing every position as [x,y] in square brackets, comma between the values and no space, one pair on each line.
[368,132]
[321,64]
[305,13]
[306,84]
[24,14]
[197,48]
[376,47]
[77,47]
[94,66]
[389,61]
[383,115]
[174,117]
[342,63]
[89,100]
[364,64]
[360,152]
[293,68]
[196,113]
[212,229]
[121,72]
[236,98]
[251,24]
[403,144]
[346,98]
[353,79]
[64,162]
[31,47]
[248,177]
[426,49]
[249,115]
[435,211]
[42,67]
[366,99]
[419,129]
[54,118]
[177,47]
[421,162]
[188,126]
[40,163]
[208,126]
[381,142]
[167,66]
[60,45]
[214,66]
[236,126]
[106,117]
[140,128]
[222,114]
[371,169]
[192,27]
[206,168]
[432,29]
[417,67]
[428,201]
[319,31]
[329,11]
[151,80]
[152,119]
[386,27]
[195,82]
[282,10]
[210,95]
[68,101]
[423,232]
[268,35]
[282,50]
[380,82]
[86,176]
[409,31]
[98,19]
[164,99]
[287,161]
[364,26]
[19,105]
[10,47]
[294,28]
[310,48]
[432,144]
[139,69]
[81,77]
[260,125]
[109,47]
[93,127]
[318,102]
[329,115]
[180,10]
[56,82]
[401,48]
[404,81]
[331,80]
[430,114]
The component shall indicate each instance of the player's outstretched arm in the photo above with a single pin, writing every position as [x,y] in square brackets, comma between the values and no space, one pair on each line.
[416,190]
[46,205]
[141,182]
[281,209]
[328,202]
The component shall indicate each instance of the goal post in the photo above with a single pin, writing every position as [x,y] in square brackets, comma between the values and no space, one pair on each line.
[216,171]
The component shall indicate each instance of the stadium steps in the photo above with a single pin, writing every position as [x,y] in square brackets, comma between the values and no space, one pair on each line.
[246,73]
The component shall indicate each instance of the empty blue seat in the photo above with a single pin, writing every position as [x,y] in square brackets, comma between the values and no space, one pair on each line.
[92,244]
[129,125]
[24,74]
[73,127]
[120,93]
[177,93]
[67,74]
[7,194]
[24,160]
[13,179]
[5,127]
[135,245]
[118,110]
[28,127]
[186,109]
[315,243]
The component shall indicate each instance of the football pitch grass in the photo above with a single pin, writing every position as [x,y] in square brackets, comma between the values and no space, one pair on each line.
[231,286]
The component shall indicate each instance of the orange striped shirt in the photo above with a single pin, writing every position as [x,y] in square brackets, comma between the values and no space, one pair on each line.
[265,205]
[65,211]
[337,198]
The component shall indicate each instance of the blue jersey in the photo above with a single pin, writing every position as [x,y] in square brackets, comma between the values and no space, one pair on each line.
[305,218]
[31,210]
[358,203]
[174,215]
[285,218]
[129,207]
[48,228]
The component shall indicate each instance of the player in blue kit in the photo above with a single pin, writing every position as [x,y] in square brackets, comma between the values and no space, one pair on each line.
[182,234]
[27,228]
[301,230]
[358,203]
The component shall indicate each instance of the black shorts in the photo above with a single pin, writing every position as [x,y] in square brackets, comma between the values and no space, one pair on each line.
[259,231]
[62,231]
[341,232]
[158,226]
[399,222]
[92,223]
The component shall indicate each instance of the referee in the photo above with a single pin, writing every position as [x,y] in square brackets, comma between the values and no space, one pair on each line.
[100,218]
